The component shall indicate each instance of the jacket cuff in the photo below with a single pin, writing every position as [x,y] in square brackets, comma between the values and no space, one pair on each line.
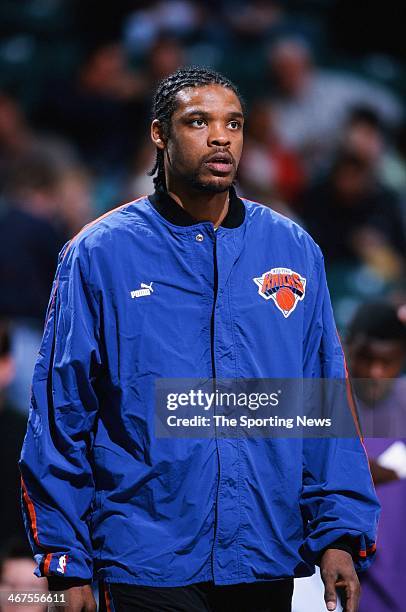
[56,583]
[346,544]
[64,565]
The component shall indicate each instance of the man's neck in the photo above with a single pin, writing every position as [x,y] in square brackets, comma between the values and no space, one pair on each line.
[202,206]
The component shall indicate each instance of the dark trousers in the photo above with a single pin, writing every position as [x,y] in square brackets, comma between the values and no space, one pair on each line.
[275,596]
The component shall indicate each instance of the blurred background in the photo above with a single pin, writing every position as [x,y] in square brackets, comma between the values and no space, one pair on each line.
[325,144]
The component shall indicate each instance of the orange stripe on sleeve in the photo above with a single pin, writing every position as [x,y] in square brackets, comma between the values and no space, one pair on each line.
[31,512]
[369,551]
[47,563]
[350,396]
[107,598]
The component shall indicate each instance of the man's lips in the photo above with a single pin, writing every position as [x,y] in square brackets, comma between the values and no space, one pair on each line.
[221,163]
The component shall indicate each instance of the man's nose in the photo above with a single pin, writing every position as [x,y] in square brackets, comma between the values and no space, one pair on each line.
[218,136]
[377,370]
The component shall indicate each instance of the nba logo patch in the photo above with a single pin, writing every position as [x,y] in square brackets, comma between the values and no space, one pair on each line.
[284,286]
[63,559]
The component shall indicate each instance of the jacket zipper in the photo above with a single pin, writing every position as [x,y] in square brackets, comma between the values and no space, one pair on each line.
[214,371]
[213,314]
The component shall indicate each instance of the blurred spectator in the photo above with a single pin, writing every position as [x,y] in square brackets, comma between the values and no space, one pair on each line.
[16,575]
[363,135]
[75,200]
[13,427]
[30,242]
[140,183]
[15,135]
[269,171]
[376,345]
[102,110]
[166,55]
[254,19]
[311,104]
[176,18]
[376,341]
[394,165]
[353,217]
[18,140]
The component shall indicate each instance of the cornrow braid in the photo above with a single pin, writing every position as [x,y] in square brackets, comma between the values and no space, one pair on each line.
[164,105]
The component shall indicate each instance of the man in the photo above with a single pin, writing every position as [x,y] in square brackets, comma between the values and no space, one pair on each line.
[167,287]
[376,344]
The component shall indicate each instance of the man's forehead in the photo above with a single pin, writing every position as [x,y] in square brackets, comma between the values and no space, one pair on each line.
[207,98]
[379,347]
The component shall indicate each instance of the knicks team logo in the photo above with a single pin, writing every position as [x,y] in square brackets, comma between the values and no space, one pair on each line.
[284,286]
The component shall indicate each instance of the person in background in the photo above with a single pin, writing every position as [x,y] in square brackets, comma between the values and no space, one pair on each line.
[394,165]
[269,170]
[75,199]
[96,110]
[350,210]
[20,141]
[368,137]
[139,181]
[364,135]
[30,240]
[16,137]
[165,56]
[12,426]
[312,104]
[376,348]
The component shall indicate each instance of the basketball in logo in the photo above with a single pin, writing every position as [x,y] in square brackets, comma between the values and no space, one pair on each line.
[285,299]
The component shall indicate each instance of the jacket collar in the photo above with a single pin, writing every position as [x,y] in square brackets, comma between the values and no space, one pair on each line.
[172,212]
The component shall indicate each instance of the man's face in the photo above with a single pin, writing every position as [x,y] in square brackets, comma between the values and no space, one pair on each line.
[376,363]
[205,142]
[351,183]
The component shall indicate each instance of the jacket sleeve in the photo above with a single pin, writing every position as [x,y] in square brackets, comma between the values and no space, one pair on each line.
[338,498]
[56,475]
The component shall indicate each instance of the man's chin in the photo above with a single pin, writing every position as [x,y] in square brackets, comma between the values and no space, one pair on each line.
[214,184]
[372,392]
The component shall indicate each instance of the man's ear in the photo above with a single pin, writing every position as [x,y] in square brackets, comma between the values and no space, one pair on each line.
[156,134]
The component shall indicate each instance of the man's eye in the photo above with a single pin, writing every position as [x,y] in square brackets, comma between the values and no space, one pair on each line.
[234,125]
[198,122]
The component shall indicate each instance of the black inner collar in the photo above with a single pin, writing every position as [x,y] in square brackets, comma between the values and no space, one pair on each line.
[172,212]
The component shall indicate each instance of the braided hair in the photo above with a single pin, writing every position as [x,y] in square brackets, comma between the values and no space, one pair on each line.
[164,105]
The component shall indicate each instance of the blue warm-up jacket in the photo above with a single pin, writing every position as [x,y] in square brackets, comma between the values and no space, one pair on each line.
[147,292]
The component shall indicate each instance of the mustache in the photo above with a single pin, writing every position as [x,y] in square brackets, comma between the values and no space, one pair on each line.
[222,155]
